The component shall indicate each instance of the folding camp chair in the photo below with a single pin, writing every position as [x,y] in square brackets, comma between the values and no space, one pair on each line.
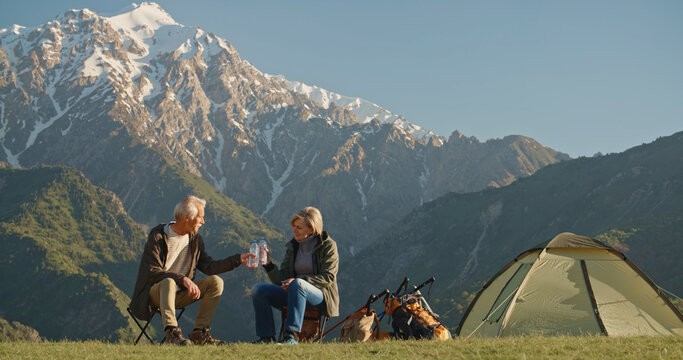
[312,327]
[143,329]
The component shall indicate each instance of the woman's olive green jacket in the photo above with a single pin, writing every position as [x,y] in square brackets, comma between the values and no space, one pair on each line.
[325,266]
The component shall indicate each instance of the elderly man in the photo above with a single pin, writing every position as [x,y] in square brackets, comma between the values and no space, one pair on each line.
[173,253]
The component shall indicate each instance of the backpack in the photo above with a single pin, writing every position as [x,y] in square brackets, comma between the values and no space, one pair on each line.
[413,318]
[358,327]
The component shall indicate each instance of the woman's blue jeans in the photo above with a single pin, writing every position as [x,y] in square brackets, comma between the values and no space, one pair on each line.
[298,294]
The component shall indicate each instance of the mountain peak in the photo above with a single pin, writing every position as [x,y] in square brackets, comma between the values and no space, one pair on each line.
[146,14]
[15,29]
[456,135]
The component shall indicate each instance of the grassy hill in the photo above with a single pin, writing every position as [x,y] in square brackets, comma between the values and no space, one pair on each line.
[16,331]
[62,236]
[71,253]
[631,200]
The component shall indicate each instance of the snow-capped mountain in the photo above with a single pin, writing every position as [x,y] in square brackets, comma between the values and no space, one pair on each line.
[113,95]
[364,110]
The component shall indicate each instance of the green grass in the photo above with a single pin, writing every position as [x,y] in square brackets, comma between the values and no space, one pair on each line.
[505,348]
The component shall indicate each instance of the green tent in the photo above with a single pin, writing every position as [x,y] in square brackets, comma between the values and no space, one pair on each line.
[572,285]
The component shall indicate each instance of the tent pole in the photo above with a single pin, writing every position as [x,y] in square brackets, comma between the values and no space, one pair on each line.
[534,265]
[594,303]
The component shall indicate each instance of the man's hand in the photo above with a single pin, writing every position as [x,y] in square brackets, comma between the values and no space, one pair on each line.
[285,283]
[244,259]
[192,288]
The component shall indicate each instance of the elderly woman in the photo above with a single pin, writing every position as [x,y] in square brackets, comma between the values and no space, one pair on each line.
[307,275]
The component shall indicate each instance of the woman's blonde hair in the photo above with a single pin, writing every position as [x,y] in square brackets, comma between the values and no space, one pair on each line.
[311,217]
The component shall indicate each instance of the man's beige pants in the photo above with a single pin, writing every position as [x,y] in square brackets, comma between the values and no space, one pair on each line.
[167,298]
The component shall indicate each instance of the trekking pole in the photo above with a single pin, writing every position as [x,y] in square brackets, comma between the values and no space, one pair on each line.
[429,281]
[404,286]
[386,291]
[404,283]
[371,300]
[374,298]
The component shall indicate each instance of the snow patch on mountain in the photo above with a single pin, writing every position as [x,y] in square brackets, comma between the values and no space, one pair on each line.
[363,197]
[11,158]
[92,65]
[278,184]
[142,19]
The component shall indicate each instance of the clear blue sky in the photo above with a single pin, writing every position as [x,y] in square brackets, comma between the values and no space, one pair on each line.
[579,76]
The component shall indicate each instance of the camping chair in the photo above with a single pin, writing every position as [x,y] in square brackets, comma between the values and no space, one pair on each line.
[312,327]
[143,329]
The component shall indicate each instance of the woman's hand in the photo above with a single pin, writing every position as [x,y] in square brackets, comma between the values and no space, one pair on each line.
[244,259]
[267,256]
[285,283]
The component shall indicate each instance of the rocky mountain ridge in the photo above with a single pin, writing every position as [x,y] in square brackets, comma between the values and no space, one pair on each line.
[109,95]
[364,110]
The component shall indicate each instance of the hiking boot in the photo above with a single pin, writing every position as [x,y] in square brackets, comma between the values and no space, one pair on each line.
[174,336]
[289,339]
[203,337]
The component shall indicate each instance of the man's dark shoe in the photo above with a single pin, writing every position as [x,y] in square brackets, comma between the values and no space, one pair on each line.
[175,337]
[203,337]
[264,340]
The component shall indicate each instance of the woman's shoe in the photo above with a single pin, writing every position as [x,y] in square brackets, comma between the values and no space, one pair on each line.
[289,339]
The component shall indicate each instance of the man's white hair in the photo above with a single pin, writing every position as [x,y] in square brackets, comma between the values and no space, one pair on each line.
[188,207]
